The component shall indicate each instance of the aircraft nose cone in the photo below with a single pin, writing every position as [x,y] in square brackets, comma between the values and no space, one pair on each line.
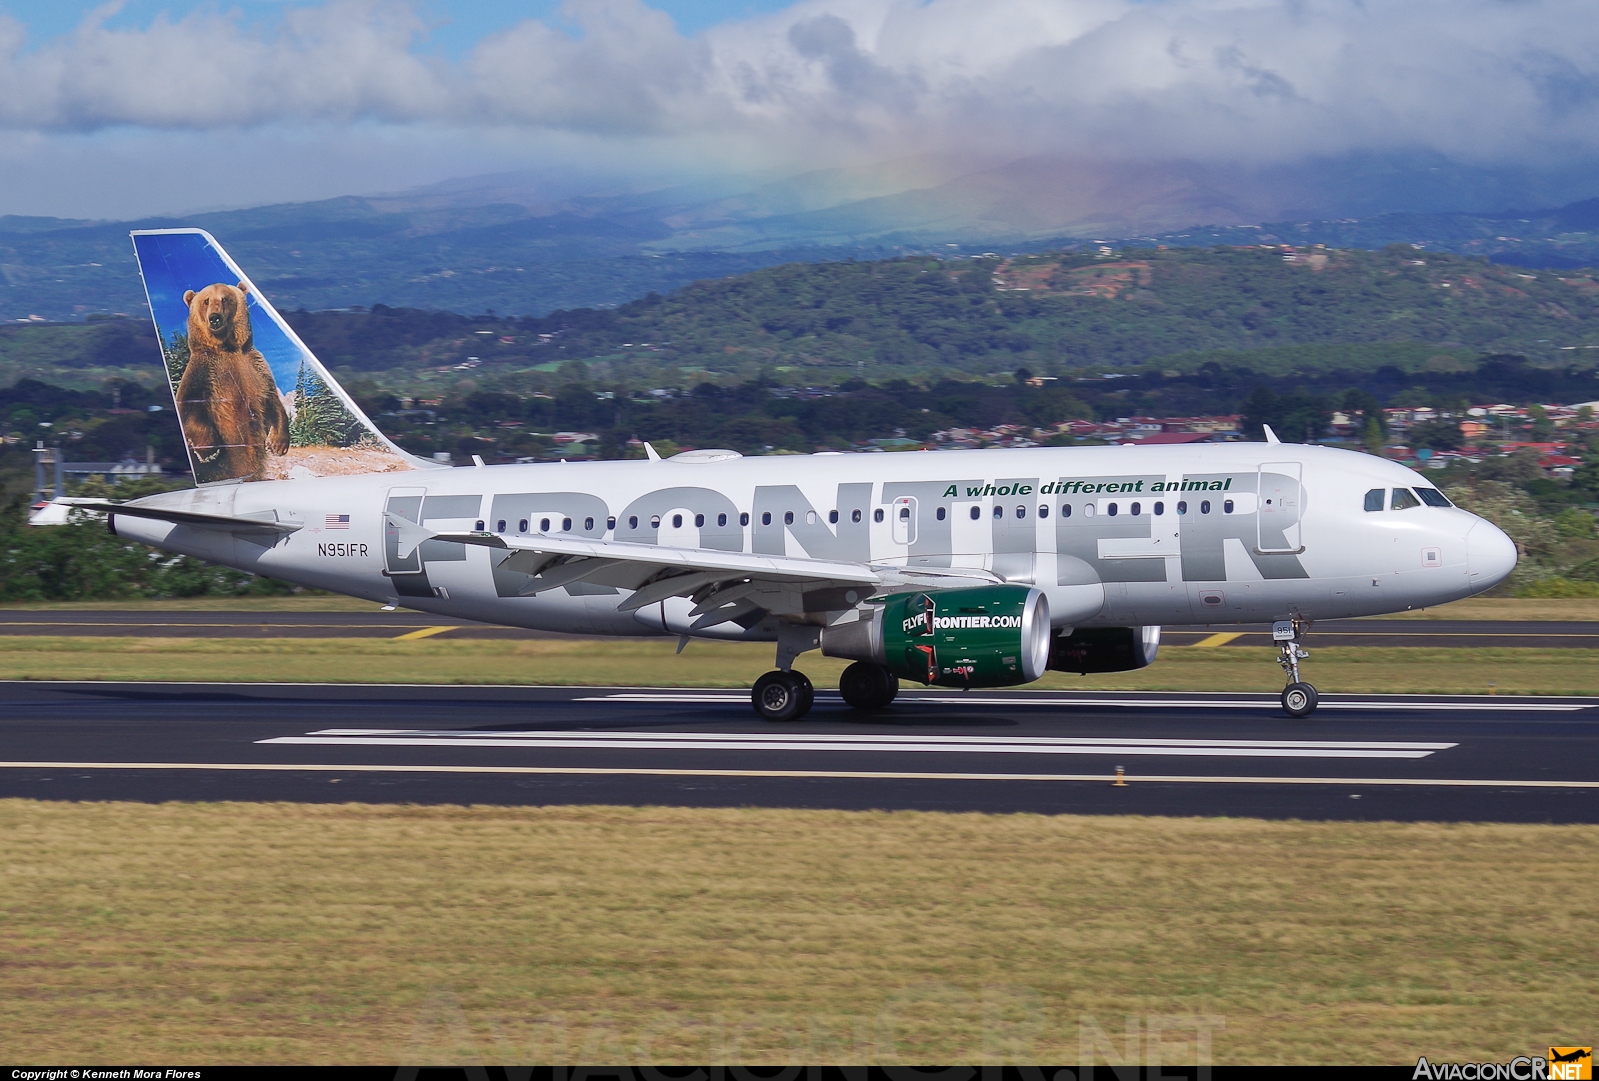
[1490,556]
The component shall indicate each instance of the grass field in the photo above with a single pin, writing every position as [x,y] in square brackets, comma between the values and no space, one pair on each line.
[651,662]
[270,933]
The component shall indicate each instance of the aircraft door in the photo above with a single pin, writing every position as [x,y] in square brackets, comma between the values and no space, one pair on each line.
[402,503]
[904,511]
[1280,508]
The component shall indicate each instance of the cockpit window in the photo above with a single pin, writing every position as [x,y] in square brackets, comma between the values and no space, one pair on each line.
[1374,499]
[1404,500]
[1433,497]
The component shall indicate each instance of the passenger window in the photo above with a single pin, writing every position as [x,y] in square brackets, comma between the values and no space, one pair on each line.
[655,521]
[1136,509]
[999,512]
[1111,509]
[904,514]
[1160,508]
[1204,506]
[610,523]
[766,517]
[854,515]
[788,517]
[721,519]
[1043,511]
[744,518]
[877,515]
[521,526]
[499,527]
[677,521]
[941,513]
[832,517]
[1374,499]
[544,525]
[1182,506]
[1227,506]
[1433,497]
[588,525]
[632,521]
[479,526]
[1065,510]
[1021,512]
[566,525]
[1088,510]
[977,512]
[699,521]
[1403,500]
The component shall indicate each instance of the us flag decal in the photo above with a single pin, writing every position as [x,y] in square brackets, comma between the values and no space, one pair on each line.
[337,521]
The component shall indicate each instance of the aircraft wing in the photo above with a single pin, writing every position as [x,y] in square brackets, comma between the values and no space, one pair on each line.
[725,585]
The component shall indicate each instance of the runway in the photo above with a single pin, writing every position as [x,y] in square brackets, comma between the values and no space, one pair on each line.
[1360,757]
[412,625]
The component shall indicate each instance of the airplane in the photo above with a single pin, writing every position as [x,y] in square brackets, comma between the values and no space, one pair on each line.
[960,569]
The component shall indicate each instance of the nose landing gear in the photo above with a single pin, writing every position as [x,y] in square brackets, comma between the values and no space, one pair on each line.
[1299,698]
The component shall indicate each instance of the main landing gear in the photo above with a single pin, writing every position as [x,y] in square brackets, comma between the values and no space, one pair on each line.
[1299,697]
[867,686]
[783,696]
[788,696]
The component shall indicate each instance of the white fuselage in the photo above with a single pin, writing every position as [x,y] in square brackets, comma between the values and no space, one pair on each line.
[1264,531]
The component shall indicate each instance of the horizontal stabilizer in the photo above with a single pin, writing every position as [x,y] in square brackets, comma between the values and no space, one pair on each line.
[246,524]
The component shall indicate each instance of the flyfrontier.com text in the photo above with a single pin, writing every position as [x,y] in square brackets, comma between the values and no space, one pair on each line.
[1085,487]
[963,623]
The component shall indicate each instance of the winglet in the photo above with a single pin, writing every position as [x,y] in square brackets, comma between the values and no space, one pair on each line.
[1271,436]
[650,451]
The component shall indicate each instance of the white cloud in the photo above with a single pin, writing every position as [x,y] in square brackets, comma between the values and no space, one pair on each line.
[1232,81]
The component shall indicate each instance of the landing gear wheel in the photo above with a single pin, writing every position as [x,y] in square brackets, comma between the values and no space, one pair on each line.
[1299,699]
[782,696]
[868,686]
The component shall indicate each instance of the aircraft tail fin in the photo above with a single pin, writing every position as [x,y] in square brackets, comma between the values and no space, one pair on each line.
[253,400]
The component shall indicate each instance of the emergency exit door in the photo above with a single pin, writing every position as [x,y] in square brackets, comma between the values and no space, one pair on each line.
[1279,508]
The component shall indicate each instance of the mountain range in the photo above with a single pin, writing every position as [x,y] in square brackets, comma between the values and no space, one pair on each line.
[509,244]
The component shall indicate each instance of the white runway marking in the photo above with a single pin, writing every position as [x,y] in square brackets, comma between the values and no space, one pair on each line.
[326,767]
[1483,703]
[761,741]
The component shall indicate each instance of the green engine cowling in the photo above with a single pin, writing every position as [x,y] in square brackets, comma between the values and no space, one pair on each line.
[984,636]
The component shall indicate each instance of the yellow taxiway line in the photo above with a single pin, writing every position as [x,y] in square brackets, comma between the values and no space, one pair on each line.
[1220,639]
[425,632]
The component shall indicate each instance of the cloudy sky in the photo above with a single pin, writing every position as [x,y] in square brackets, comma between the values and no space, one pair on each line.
[147,106]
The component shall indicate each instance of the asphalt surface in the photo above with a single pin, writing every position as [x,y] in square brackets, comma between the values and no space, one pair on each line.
[378,624]
[1359,757]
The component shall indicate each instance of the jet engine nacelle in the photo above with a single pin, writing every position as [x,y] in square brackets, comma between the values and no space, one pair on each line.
[1104,649]
[985,636]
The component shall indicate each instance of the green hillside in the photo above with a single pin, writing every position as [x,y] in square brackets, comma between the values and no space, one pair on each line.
[1176,309]
[1050,312]
[1056,313]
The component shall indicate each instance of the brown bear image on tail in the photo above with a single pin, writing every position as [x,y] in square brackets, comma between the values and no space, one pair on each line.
[232,415]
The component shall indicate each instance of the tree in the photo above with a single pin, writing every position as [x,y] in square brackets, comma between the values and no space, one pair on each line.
[1438,434]
[1260,409]
[321,418]
[1543,429]
[1374,437]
